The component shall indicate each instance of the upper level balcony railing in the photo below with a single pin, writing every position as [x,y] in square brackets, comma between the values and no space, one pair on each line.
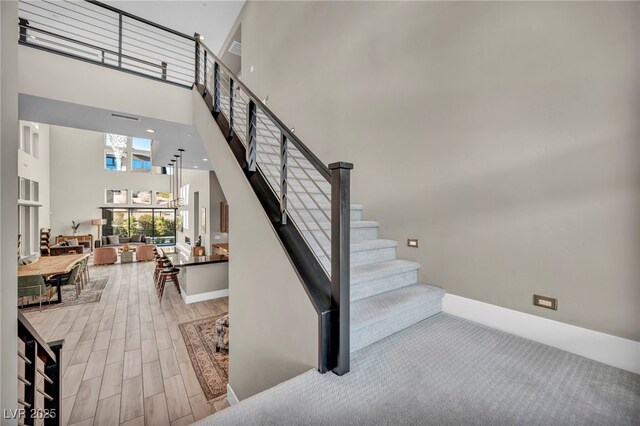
[98,33]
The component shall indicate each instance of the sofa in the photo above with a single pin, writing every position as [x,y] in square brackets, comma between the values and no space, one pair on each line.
[69,246]
[117,241]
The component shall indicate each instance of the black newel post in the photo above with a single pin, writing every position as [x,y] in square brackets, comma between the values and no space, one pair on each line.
[341,261]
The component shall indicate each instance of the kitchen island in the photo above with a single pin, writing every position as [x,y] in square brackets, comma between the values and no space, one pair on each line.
[202,277]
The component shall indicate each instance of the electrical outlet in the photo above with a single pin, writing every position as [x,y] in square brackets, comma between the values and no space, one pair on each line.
[412,242]
[545,302]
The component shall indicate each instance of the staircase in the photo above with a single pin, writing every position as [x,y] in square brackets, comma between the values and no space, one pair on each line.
[360,290]
[385,294]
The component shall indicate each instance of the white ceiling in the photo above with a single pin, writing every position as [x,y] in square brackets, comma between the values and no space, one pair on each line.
[170,135]
[212,19]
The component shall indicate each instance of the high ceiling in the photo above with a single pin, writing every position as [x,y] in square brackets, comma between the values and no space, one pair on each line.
[212,19]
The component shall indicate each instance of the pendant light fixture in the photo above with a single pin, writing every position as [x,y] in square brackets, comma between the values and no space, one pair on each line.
[170,173]
[175,183]
[180,198]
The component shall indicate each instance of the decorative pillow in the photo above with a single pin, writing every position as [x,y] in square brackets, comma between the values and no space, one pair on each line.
[113,239]
[136,238]
[73,242]
[64,244]
[105,240]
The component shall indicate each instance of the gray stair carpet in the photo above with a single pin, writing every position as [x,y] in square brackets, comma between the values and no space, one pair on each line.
[447,370]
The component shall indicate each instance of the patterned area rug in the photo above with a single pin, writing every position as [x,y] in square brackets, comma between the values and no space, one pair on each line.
[91,293]
[211,367]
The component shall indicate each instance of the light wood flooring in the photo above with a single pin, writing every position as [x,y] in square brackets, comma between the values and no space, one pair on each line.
[124,360]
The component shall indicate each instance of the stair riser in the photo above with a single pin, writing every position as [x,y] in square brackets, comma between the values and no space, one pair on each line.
[356,214]
[383,284]
[357,235]
[367,257]
[378,331]
[364,234]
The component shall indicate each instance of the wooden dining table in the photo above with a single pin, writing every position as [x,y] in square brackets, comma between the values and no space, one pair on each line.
[52,266]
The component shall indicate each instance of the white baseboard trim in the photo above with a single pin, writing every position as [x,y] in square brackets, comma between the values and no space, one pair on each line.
[203,296]
[231,395]
[605,348]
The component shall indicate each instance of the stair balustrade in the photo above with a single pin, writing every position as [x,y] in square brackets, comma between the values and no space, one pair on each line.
[307,201]
[39,377]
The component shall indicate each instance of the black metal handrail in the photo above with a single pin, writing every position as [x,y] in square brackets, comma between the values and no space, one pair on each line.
[337,174]
[35,350]
[309,155]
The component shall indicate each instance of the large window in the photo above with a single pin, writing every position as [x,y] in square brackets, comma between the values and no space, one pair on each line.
[28,216]
[124,153]
[158,224]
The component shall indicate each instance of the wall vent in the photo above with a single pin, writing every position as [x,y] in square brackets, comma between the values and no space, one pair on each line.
[125,117]
[235,48]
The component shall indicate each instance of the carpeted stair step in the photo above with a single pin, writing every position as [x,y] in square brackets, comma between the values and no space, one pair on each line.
[379,316]
[372,251]
[377,278]
[305,209]
[361,230]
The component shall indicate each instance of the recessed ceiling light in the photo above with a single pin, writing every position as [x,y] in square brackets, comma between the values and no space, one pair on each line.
[188,134]
[204,159]
[195,167]
[150,131]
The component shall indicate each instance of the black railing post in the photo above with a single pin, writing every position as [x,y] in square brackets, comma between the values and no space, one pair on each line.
[204,72]
[23,29]
[164,70]
[197,67]
[283,178]
[120,40]
[216,88]
[231,95]
[341,261]
[252,143]
[30,353]
[54,389]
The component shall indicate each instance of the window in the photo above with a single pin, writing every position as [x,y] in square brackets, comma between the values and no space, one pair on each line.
[117,149]
[116,196]
[184,194]
[141,144]
[141,197]
[35,150]
[124,153]
[110,161]
[140,163]
[162,198]
[158,224]
[28,229]
[25,143]
[184,219]
[35,192]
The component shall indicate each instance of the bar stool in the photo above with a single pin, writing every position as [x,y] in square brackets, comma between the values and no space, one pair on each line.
[161,263]
[168,274]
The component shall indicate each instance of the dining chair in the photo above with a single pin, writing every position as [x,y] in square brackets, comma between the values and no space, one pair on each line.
[32,286]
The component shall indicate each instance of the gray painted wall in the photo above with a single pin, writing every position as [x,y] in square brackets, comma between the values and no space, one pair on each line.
[8,202]
[505,136]
[79,179]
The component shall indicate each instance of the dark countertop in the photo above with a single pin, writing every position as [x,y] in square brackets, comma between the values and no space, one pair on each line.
[182,260]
